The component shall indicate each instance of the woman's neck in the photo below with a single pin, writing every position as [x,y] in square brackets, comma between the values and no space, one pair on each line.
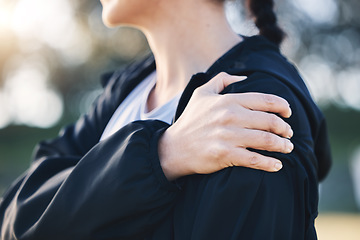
[186,41]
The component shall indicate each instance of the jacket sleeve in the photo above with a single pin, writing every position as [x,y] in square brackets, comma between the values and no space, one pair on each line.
[79,188]
[242,203]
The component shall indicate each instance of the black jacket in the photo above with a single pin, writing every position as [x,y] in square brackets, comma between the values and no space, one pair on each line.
[80,188]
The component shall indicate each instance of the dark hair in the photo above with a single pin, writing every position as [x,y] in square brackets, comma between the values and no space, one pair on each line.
[265,19]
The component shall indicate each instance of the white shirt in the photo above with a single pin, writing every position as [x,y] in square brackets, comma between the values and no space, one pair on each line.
[134,108]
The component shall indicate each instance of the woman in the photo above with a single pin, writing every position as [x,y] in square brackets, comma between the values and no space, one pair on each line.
[111,177]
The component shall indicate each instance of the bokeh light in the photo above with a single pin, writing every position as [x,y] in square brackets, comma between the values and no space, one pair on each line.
[319,77]
[349,87]
[38,20]
[5,115]
[319,11]
[32,102]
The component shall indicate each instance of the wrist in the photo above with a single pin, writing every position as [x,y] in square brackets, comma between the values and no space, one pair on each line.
[170,159]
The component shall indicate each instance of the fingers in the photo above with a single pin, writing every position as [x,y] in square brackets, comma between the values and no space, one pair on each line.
[266,141]
[256,139]
[236,122]
[245,158]
[221,81]
[253,101]
[238,117]
[267,122]
[261,102]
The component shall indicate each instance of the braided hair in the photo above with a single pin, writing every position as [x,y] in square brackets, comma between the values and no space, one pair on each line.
[265,19]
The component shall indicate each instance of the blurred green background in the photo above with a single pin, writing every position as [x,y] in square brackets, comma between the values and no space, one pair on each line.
[52,54]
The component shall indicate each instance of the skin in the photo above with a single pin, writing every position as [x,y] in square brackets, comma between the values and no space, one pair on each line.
[233,122]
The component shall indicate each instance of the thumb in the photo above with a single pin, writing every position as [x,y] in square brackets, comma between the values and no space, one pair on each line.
[221,81]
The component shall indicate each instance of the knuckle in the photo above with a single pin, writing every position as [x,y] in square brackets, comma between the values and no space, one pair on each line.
[219,152]
[222,75]
[218,133]
[274,123]
[269,100]
[225,117]
[269,140]
[254,161]
[229,115]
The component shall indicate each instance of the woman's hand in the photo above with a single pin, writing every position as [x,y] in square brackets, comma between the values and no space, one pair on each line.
[215,130]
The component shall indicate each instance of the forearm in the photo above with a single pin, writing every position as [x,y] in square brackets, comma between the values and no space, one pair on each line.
[117,183]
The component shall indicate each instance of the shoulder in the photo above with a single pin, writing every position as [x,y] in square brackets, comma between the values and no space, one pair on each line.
[303,107]
[268,71]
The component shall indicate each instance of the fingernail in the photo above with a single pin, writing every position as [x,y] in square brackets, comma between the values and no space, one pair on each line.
[278,166]
[289,146]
